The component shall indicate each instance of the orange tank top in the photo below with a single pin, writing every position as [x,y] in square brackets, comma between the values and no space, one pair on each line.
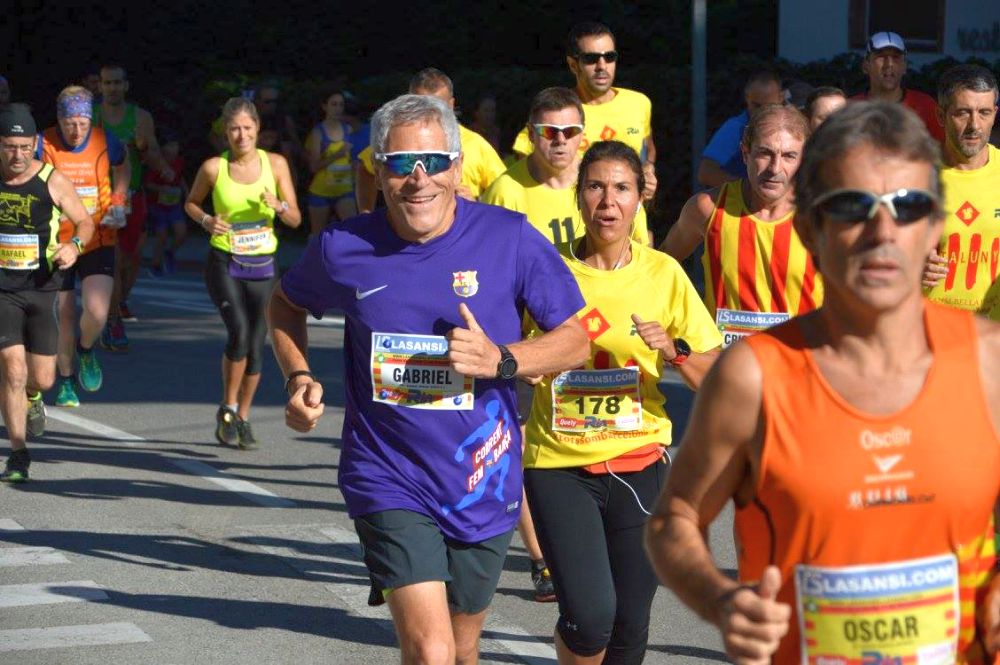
[882,526]
[90,172]
[754,266]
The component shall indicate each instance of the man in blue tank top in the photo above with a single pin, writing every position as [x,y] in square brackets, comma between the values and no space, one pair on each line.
[433,286]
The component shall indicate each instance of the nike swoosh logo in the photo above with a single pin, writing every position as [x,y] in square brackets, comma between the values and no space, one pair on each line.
[361,295]
[885,464]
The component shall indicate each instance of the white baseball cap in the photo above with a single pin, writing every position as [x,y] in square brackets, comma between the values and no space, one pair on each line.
[881,40]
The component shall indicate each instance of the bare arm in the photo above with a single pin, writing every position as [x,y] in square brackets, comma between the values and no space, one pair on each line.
[290,339]
[366,189]
[204,181]
[149,147]
[689,229]
[120,176]
[711,174]
[656,337]
[65,198]
[649,170]
[289,214]
[472,353]
[715,463]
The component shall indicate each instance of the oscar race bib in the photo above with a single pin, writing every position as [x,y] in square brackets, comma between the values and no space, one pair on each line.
[736,324]
[19,251]
[88,195]
[903,612]
[413,371]
[597,399]
[249,237]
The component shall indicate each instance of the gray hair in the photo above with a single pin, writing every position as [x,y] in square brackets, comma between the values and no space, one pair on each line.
[887,126]
[407,109]
[965,77]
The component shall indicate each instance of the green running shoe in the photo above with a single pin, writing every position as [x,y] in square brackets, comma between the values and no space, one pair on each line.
[16,470]
[91,377]
[67,393]
[36,416]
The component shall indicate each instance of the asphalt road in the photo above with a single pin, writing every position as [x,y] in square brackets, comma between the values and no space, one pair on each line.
[140,540]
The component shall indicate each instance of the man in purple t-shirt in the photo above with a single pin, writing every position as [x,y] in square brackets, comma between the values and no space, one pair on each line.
[433,287]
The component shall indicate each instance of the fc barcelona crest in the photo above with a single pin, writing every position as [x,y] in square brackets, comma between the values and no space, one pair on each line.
[465,283]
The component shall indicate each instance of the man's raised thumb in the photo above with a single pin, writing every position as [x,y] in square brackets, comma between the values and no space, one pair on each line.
[470,320]
[770,583]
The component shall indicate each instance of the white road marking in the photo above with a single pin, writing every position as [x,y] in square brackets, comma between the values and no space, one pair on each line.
[9,525]
[20,595]
[24,639]
[523,645]
[244,488]
[93,426]
[30,556]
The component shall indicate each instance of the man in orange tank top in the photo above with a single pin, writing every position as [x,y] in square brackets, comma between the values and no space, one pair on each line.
[757,272]
[92,159]
[859,442]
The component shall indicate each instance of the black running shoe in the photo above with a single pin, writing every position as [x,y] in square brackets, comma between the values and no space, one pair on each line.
[225,426]
[545,591]
[245,434]
[16,470]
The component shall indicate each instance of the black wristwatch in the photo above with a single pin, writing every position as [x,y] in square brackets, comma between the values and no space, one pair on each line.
[683,350]
[507,367]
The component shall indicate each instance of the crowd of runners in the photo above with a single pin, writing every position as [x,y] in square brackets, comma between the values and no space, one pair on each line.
[507,326]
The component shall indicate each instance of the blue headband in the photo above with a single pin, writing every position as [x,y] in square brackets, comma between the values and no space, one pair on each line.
[75,106]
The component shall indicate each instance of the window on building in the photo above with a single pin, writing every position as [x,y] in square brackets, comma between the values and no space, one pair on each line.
[919,22]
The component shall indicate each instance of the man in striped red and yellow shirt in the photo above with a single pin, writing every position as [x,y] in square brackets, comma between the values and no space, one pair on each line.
[757,272]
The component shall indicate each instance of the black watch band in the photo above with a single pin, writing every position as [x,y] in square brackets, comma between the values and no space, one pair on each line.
[297,373]
[507,367]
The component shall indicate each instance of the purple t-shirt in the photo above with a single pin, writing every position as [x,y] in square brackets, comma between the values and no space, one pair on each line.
[417,435]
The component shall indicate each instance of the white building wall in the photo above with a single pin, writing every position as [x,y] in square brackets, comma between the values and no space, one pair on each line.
[811,30]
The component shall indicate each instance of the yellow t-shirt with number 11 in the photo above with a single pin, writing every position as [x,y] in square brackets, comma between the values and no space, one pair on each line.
[612,405]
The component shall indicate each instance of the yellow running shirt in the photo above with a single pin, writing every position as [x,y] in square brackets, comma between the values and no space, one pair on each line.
[612,405]
[251,220]
[481,164]
[626,118]
[552,211]
[971,239]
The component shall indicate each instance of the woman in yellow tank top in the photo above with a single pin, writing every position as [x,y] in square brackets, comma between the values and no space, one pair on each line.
[250,188]
[328,150]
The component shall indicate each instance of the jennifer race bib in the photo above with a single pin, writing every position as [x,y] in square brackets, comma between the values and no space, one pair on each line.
[736,324]
[903,612]
[19,251]
[594,399]
[413,371]
[249,237]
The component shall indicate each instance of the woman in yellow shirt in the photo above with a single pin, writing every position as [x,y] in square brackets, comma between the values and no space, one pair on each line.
[328,151]
[595,453]
[250,188]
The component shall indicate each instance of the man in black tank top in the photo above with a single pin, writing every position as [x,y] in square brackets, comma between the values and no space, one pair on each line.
[32,196]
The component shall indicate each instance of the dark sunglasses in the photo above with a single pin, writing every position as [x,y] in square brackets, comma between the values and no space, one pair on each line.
[592,58]
[850,206]
[549,132]
[404,163]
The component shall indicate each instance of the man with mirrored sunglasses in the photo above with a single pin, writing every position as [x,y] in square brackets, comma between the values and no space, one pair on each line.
[610,113]
[860,442]
[480,162]
[963,270]
[432,288]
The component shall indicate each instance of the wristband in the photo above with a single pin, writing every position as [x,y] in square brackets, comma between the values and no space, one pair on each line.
[297,373]
[118,199]
[77,243]
[284,206]
[205,218]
